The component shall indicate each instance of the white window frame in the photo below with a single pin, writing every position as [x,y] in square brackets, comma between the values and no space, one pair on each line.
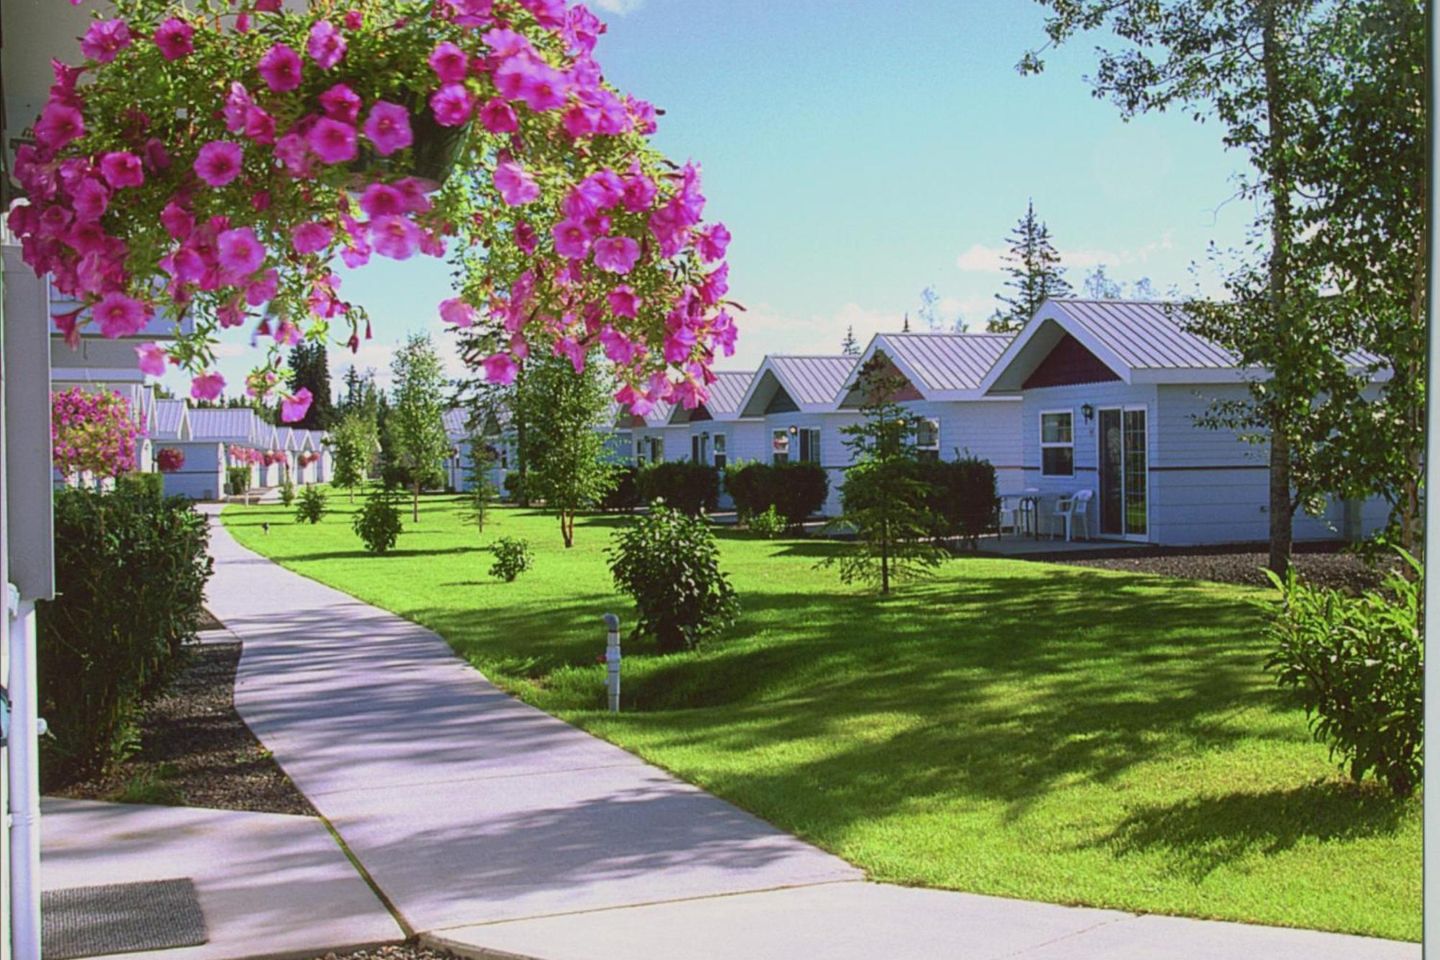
[719,449]
[1056,444]
[780,446]
[928,448]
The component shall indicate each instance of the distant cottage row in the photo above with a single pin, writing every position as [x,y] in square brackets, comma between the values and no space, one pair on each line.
[1091,395]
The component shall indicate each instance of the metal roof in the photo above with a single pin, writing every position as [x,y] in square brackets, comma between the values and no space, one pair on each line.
[1147,336]
[454,420]
[812,380]
[169,417]
[229,424]
[946,361]
[727,391]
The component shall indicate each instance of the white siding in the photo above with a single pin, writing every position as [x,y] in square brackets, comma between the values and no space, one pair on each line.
[988,429]
[834,455]
[203,475]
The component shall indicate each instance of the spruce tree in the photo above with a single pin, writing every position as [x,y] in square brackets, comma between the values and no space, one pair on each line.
[310,368]
[850,347]
[1033,266]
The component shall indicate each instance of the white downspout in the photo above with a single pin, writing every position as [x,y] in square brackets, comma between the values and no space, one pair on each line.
[24,781]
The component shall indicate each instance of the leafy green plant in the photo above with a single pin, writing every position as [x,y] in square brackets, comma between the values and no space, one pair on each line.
[512,558]
[287,492]
[378,522]
[311,506]
[1358,664]
[796,490]
[769,523]
[625,496]
[691,488]
[960,495]
[142,484]
[237,479]
[669,563]
[131,572]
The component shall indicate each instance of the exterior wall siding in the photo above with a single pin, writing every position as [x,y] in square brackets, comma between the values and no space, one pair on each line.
[203,476]
[834,456]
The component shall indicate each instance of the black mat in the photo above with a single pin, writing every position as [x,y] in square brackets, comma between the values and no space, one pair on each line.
[120,918]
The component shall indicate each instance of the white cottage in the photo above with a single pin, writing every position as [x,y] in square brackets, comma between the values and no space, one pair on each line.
[1110,395]
[202,474]
[231,426]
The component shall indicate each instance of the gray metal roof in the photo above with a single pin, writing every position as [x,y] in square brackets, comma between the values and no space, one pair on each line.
[169,415]
[727,391]
[1147,336]
[228,424]
[946,361]
[454,420]
[812,380]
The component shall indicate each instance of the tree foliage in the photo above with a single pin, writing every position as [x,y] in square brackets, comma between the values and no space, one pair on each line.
[310,370]
[1035,274]
[414,423]
[352,447]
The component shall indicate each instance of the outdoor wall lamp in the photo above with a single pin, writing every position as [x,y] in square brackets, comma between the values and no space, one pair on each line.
[794,429]
[1088,412]
[704,435]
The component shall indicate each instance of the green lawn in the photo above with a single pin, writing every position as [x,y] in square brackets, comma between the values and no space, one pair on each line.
[1047,732]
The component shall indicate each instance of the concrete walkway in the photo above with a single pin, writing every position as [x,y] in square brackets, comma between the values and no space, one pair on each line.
[496,830]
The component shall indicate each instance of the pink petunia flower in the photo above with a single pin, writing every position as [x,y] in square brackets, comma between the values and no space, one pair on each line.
[449,62]
[388,127]
[59,124]
[500,368]
[218,162]
[293,408]
[394,237]
[175,38]
[207,386]
[264,289]
[325,45]
[497,116]
[616,254]
[240,253]
[122,169]
[311,237]
[516,186]
[381,200]
[711,242]
[332,141]
[458,312]
[152,359]
[525,237]
[280,68]
[572,240]
[452,105]
[90,199]
[104,39]
[623,301]
[341,103]
[119,316]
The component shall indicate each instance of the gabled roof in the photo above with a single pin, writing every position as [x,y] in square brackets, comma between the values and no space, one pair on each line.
[726,393]
[228,425]
[941,366]
[172,420]
[287,439]
[454,421]
[812,382]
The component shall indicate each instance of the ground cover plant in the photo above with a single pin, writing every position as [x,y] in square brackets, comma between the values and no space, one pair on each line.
[1014,728]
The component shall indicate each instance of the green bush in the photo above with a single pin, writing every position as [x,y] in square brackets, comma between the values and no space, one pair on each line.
[512,558]
[131,572]
[1358,664]
[150,485]
[311,506]
[625,496]
[287,492]
[768,523]
[669,563]
[515,487]
[378,522]
[796,490]
[691,488]
[961,495]
[237,479]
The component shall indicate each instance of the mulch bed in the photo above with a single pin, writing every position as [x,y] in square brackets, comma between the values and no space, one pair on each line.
[1321,565]
[196,751]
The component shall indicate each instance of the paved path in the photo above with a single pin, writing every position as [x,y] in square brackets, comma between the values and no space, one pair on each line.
[496,830]
[269,885]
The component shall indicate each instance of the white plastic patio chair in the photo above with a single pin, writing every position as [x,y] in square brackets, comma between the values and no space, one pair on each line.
[1007,515]
[1069,510]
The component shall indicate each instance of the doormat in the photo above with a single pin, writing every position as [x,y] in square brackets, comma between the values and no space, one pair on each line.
[120,918]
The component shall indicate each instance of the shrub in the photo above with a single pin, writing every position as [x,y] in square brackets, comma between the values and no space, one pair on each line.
[512,558]
[131,572]
[1358,664]
[287,492]
[625,496]
[796,490]
[691,488]
[237,479]
[150,485]
[960,495]
[768,523]
[669,564]
[378,522]
[515,487]
[311,506]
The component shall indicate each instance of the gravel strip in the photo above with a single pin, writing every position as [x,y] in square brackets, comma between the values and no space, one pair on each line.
[196,751]
[410,950]
[1327,568]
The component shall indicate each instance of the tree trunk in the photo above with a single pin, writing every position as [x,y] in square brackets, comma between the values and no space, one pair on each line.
[884,559]
[567,528]
[415,504]
[1281,230]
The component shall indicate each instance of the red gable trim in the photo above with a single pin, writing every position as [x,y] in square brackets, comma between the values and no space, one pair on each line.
[1068,362]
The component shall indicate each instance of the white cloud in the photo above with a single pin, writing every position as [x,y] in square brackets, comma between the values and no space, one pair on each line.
[981,259]
[1085,259]
[618,7]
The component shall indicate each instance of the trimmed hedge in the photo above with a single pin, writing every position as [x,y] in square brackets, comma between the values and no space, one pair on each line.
[796,490]
[961,495]
[237,480]
[625,496]
[691,488]
[131,571]
[142,484]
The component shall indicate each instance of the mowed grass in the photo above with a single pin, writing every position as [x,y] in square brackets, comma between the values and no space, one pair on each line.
[1028,730]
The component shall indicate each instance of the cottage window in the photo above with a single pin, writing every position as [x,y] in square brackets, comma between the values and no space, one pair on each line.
[720,458]
[1057,444]
[809,446]
[927,440]
[780,447]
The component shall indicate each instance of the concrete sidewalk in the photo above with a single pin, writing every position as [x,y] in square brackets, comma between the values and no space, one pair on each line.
[496,830]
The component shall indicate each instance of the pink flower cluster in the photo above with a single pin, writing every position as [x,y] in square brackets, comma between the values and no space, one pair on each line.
[293,168]
[169,459]
[92,432]
[240,456]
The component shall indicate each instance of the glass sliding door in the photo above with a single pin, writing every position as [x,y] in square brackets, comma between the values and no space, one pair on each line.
[1137,475]
[1124,470]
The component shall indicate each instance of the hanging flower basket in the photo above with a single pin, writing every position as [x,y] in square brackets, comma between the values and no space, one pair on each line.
[169,459]
[218,161]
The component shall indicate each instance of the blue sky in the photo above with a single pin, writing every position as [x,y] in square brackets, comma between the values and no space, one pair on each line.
[860,151]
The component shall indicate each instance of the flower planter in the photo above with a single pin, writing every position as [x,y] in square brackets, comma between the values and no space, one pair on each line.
[432,154]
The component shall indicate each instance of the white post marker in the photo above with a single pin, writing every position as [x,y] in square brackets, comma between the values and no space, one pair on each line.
[24,779]
[612,660]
